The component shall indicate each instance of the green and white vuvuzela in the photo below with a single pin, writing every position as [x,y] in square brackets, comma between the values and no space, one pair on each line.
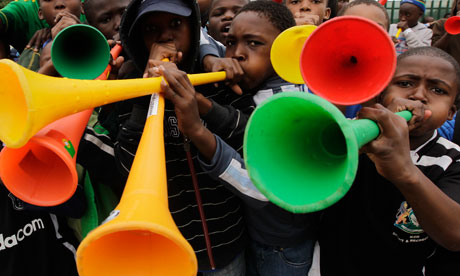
[302,153]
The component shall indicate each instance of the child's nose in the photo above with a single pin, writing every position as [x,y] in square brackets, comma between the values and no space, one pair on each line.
[419,94]
[239,53]
[166,35]
[305,6]
[59,5]
[117,23]
[228,15]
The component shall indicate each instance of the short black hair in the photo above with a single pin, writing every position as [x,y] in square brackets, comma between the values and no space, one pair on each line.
[429,51]
[278,14]
[366,2]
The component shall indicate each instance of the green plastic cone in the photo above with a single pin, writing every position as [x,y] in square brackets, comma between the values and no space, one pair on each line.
[80,52]
[302,153]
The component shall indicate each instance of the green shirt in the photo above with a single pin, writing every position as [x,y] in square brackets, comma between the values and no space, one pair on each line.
[20,20]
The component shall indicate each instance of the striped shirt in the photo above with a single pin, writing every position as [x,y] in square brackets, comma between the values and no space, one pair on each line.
[374,226]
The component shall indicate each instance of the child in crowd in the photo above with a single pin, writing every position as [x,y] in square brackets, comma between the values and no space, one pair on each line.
[19,21]
[105,15]
[38,240]
[51,13]
[21,27]
[282,242]
[369,9]
[152,30]
[221,14]
[59,14]
[311,12]
[412,33]
[405,197]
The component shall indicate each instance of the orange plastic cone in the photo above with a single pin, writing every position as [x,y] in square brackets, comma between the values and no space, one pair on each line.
[43,171]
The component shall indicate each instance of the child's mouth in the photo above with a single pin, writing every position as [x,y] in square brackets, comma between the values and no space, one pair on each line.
[225,29]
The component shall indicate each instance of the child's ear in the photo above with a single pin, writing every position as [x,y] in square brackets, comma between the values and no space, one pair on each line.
[327,13]
[40,14]
[452,111]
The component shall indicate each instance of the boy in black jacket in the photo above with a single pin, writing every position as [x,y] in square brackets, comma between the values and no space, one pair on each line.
[152,30]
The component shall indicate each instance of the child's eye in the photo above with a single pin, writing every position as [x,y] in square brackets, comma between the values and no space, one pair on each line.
[217,13]
[404,84]
[439,91]
[105,20]
[316,1]
[293,2]
[176,22]
[150,28]
[229,43]
[254,43]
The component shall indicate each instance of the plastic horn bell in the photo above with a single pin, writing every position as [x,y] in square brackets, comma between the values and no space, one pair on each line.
[286,50]
[140,237]
[452,25]
[80,52]
[337,67]
[302,153]
[43,171]
[30,101]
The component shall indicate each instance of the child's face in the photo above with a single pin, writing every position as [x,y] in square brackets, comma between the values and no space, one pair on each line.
[106,16]
[410,13]
[167,29]
[309,7]
[50,8]
[221,15]
[370,12]
[249,41]
[430,80]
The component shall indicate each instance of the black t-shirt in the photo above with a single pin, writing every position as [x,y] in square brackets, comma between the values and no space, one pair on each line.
[373,230]
[34,242]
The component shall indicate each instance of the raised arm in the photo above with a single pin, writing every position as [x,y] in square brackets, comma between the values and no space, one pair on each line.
[437,213]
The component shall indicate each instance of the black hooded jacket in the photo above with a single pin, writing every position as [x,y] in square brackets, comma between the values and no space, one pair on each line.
[223,209]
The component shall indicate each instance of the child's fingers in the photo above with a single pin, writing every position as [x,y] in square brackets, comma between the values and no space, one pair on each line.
[390,124]
[237,89]
[177,80]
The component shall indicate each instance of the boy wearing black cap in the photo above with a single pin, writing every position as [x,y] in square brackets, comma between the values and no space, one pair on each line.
[408,32]
[152,30]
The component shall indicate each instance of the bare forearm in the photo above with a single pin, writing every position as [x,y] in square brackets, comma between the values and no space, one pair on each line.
[48,69]
[437,213]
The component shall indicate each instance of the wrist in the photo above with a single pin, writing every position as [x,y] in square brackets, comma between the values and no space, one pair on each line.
[204,104]
[208,61]
[407,178]
[198,134]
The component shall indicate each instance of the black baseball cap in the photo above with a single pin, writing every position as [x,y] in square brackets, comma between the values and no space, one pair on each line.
[178,7]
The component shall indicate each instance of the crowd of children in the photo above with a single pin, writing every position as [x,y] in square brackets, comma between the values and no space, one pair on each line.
[401,216]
